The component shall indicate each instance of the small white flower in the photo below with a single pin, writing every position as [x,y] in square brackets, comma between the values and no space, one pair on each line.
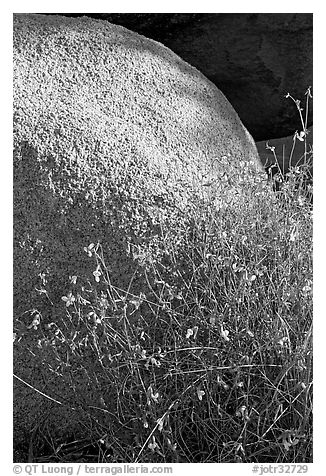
[35,322]
[89,249]
[212,320]
[224,334]
[300,136]
[152,395]
[173,447]
[69,300]
[155,362]
[153,445]
[306,289]
[97,273]
[160,422]
[200,393]
[242,411]
[142,335]
[189,333]
[283,340]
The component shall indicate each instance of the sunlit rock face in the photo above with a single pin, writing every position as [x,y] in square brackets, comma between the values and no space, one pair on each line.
[114,134]
[255,59]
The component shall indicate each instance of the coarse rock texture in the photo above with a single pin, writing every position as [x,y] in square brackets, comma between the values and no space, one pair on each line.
[255,59]
[287,152]
[118,141]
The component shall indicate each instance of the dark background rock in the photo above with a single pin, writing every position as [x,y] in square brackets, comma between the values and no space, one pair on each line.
[288,152]
[253,58]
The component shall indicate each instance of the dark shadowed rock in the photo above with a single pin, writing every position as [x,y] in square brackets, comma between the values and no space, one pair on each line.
[254,58]
[118,141]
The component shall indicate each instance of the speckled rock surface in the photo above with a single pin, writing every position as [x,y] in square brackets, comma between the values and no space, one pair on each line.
[115,139]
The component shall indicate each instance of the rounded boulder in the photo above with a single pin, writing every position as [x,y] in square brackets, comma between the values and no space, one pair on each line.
[116,141]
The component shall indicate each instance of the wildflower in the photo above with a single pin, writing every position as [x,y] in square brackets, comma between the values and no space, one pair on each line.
[92,315]
[88,249]
[224,334]
[212,320]
[136,303]
[300,136]
[153,445]
[306,289]
[35,322]
[272,148]
[283,340]
[160,422]
[301,201]
[242,411]
[97,273]
[155,397]
[152,395]
[69,300]
[192,332]
[289,439]
[43,278]
[189,333]
[173,447]
[155,362]
[200,394]
[104,303]
[219,381]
